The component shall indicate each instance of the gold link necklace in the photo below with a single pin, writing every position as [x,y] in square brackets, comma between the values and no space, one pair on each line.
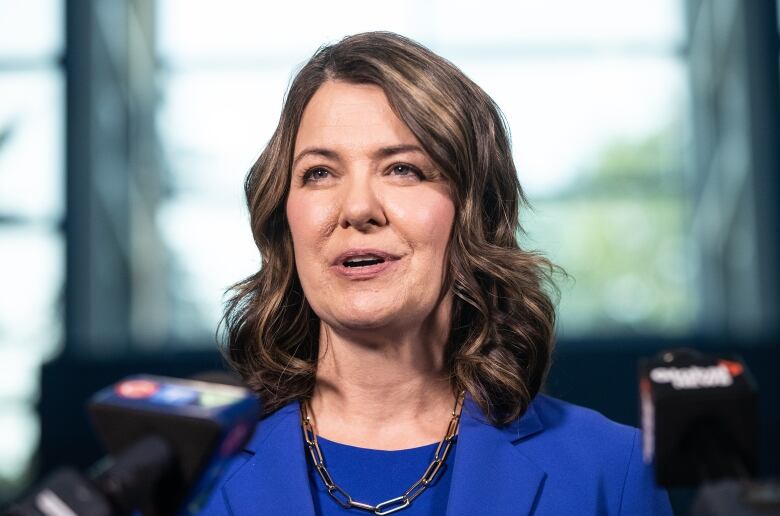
[394,504]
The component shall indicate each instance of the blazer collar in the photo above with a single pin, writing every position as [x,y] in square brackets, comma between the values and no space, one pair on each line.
[274,481]
[490,473]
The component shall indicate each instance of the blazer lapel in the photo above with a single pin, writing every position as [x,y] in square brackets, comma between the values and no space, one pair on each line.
[490,473]
[275,480]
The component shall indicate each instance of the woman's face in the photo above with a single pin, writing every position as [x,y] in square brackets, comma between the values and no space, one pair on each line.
[370,214]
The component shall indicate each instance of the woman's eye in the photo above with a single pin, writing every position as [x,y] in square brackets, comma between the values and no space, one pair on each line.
[315,174]
[405,170]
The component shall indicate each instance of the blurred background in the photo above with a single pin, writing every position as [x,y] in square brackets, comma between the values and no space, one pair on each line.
[645,135]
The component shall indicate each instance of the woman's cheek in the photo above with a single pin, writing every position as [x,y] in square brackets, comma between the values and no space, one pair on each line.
[309,215]
[430,216]
[422,204]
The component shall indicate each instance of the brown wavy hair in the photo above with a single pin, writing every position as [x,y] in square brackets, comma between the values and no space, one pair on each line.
[503,316]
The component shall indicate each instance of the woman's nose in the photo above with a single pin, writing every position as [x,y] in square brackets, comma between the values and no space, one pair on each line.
[361,207]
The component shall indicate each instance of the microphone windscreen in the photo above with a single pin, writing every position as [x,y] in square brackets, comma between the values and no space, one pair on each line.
[699,417]
[204,423]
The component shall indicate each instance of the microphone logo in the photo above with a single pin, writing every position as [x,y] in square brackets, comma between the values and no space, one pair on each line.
[735,368]
[698,377]
[137,389]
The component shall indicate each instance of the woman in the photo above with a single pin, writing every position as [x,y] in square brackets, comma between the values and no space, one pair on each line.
[396,333]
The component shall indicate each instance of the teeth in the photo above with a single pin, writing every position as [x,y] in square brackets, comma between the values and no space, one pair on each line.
[360,261]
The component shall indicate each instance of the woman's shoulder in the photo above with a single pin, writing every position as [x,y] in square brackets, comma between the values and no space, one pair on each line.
[559,416]
[580,432]
[585,453]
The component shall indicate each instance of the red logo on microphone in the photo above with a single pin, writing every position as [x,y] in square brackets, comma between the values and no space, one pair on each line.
[137,389]
[735,368]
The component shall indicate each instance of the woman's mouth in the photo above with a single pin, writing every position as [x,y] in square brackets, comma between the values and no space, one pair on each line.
[363,261]
[364,264]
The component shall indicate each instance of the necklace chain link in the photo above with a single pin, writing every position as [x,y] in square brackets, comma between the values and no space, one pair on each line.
[394,504]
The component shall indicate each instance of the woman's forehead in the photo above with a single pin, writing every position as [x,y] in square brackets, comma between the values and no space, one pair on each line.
[351,117]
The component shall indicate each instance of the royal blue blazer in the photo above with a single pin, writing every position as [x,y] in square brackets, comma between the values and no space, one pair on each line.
[557,459]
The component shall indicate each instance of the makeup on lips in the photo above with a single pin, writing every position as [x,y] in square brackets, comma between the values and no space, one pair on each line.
[364,263]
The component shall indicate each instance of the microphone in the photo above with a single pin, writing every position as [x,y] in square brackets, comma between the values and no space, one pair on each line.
[699,418]
[168,439]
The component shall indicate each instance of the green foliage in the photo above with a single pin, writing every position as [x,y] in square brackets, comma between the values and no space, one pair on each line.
[619,232]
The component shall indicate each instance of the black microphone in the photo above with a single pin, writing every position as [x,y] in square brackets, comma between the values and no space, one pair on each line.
[699,418]
[168,439]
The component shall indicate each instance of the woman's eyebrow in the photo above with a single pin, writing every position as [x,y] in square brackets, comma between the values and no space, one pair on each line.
[316,151]
[383,152]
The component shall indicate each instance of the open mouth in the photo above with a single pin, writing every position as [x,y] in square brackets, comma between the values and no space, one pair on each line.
[362,261]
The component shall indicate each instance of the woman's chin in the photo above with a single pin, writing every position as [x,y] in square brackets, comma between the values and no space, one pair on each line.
[366,318]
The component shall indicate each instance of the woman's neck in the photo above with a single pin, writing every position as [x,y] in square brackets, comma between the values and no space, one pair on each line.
[383,390]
